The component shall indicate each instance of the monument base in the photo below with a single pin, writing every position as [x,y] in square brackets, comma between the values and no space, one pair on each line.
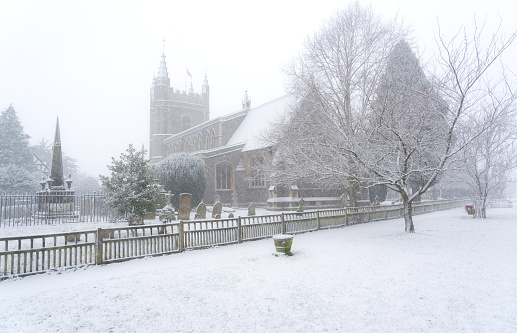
[56,204]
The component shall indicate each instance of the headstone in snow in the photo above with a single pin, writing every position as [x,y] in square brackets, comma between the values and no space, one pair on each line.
[201,210]
[235,200]
[185,204]
[300,207]
[251,209]
[217,210]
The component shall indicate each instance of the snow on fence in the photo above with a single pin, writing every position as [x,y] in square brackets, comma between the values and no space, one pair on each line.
[26,255]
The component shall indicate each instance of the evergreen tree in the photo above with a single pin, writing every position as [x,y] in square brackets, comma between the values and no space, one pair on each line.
[15,179]
[14,144]
[408,129]
[130,189]
[183,173]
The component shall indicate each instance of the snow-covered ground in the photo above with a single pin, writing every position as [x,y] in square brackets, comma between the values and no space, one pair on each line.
[82,226]
[455,274]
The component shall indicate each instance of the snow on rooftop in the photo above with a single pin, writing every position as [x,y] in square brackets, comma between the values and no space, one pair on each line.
[257,122]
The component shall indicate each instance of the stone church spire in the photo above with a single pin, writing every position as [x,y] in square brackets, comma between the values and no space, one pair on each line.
[162,71]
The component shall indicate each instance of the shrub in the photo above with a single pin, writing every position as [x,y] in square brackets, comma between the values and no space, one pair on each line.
[183,173]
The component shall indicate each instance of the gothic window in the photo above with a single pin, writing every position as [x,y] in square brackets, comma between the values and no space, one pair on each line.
[256,171]
[223,176]
[212,139]
[199,139]
[186,123]
[207,140]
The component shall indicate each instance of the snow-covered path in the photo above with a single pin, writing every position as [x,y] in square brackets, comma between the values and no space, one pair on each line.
[455,274]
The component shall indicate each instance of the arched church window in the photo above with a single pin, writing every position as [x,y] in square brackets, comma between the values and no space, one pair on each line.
[199,142]
[223,176]
[256,171]
[212,139]
[186,123]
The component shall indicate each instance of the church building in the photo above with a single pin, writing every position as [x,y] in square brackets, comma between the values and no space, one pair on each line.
[232,147]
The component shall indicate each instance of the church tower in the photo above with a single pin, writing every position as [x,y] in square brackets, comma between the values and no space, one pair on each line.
[174,111]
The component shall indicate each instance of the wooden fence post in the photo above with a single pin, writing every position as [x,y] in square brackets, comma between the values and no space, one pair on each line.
[181,236]
[99,246]
[283,224]
[346,216]
[239,233]
[318,219]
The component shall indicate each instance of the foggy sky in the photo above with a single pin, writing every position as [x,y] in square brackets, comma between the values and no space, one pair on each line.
[92,63]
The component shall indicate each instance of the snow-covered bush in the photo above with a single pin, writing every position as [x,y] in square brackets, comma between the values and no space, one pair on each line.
[378,193]
[131,190]
[183,173]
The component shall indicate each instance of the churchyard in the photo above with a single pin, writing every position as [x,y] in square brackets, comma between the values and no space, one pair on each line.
[456,273]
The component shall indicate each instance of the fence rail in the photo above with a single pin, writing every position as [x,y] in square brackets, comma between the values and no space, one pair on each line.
[25,255]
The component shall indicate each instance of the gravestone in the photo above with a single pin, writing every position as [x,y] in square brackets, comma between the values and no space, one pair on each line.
[231,216]
[217,210]
[201,210]
[235,200]
[185,205]
[251,209]
[217,198]
[300,207]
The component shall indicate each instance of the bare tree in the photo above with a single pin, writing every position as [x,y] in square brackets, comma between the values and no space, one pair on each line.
[406,136]
[333,80]
[364,124]
[487,161]
[425,143]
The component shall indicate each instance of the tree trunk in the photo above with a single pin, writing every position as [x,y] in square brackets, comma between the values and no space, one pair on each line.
[408,216]
[352,194]
[483,207]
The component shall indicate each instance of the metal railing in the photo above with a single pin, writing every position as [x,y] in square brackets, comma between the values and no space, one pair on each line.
[34,209]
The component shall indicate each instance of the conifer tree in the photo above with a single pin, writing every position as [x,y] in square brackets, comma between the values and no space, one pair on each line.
[130,189]
[14,143]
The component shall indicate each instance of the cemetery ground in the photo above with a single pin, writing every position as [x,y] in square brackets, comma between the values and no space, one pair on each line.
[456,273]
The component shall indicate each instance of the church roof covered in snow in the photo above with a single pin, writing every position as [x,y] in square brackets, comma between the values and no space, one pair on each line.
[257,122]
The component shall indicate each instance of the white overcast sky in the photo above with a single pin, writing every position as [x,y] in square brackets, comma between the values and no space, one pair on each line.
[91,63]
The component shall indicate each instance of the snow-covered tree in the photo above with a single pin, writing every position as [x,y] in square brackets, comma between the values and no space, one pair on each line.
[488,161]
[183,173]
[14,143]
[15,179]
[406,135]
[130,189]
[380,121]
[86,184]
[332,81]
[16,164]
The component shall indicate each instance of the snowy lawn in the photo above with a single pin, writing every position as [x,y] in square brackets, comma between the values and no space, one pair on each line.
[455,274]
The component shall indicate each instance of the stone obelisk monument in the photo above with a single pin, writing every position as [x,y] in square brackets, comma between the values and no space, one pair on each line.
[57,201]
